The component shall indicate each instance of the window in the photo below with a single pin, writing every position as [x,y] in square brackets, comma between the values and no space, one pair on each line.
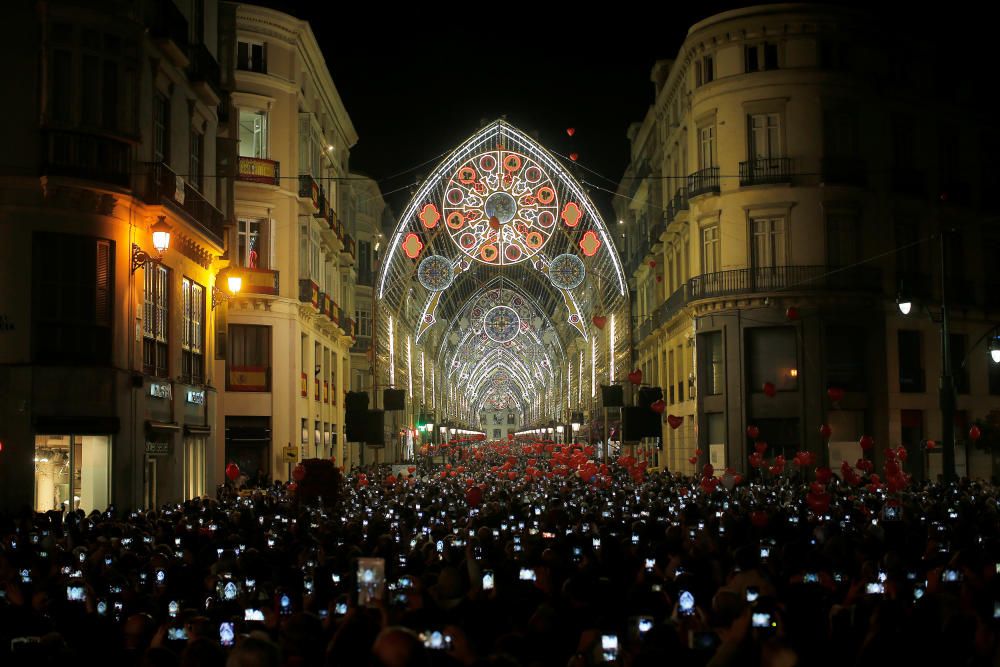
[840,133]
[365,262]
[155,319]
[711,255]
[249,360]
[843,239]
[72,472]
[192,331]
[364,318]
[764,133]
[61,108]
[911,366]
[161,128]
[716,423]
[783,435]
[72,299]
[845,352]
[771,352]
[253,133]
[708,69]
[251,246]
[755,54]
[196,158]
[706,153]
[768,239]
[251,56]
[712,372]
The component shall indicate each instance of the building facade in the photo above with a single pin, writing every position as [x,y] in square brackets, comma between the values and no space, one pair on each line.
[792,176]
[106,393]
[286,354]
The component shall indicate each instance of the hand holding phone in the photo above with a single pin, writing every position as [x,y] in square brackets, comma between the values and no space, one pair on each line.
[371,580]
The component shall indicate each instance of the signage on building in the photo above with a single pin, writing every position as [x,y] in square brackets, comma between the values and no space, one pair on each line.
[196,396]
[290,454]
[157,448]
[161,390]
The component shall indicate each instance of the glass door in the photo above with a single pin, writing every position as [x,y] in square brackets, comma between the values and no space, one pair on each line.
[72,472]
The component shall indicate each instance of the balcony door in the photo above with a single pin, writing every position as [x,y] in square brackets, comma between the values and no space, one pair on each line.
[767,252]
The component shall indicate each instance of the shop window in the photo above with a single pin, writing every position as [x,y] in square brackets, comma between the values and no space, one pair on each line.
[194,466]
[771,355]
[72,472]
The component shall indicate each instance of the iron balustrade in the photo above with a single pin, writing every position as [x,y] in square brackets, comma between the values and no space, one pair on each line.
[163,186]
[703,181]
[771,278]
[842,170]
[767,170]
[89,156]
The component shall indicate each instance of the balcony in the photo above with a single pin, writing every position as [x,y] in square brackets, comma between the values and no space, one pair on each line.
[259,281]
[839,170]
[169,29]
[309,189]
[205,74]
[322,210]
[908,182]
[361,344]
[705,181]
[677,204]
[348,251]
[88,156]
[309,292]
[163,187]
[259,170]
[653,234]
[773,278]
[765,171]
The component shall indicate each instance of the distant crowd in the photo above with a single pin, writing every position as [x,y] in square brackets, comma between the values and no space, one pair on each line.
[518,554]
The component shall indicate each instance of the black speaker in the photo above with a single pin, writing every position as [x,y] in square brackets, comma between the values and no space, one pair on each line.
[612,396]
[356,401]
[393,399]
[356,425]
[649,395]
[375,428]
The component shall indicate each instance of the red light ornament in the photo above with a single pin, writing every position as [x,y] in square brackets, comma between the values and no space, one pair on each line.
[412,245]
[590,244]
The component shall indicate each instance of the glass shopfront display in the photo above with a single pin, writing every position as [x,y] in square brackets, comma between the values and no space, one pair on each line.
[72,472]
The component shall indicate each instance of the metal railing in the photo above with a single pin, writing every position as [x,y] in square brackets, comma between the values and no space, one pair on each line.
[772,278]
[838,170]
[703,181]
[309,189]
[761,171]
[162,186]
[89,156]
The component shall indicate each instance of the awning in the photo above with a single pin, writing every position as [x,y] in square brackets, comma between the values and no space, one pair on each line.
[167,427]
[196,429]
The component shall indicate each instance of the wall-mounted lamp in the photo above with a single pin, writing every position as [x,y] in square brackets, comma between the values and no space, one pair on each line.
[161,242]
[234,282]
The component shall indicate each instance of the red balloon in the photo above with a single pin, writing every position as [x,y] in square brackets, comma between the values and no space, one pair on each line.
[825,431]
[791,313]
[975,433]
[599,321]
[708,470]
[512,475]
[769,389]
[574,156]
[835,394]
[866,442]
[752,432]
[411,469]
[698,452]
[292,487]
[902,454]
[824,475]
[652,263]
[635,377]
[473,496]
[693,460]
[571,131]
[298,472]
[658,407]
[760,446]
[444,473]
[674,421]
[232,472]
[931,444]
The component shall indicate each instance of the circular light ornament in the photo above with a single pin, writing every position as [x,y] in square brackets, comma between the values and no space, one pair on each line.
[435,273]
[501,324]
[500,207]
[567,271]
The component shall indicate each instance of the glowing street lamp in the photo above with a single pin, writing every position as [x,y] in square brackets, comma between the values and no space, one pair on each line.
[161,242]
[234,282]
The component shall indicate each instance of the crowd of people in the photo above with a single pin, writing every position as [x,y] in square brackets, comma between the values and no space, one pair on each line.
[517,554]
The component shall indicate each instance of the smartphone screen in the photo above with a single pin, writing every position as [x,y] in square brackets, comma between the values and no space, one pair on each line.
[685,603]
[752,593]
[609,648]
[488,580]
[227,633]
[371,580]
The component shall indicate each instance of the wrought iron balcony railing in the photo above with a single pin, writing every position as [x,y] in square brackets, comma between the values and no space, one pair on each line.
[767,170]
[704,181]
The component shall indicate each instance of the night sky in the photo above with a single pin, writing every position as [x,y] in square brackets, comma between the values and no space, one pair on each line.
[416,83]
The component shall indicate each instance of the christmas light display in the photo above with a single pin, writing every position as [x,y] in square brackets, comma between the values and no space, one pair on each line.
[567,272]
[435,273]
